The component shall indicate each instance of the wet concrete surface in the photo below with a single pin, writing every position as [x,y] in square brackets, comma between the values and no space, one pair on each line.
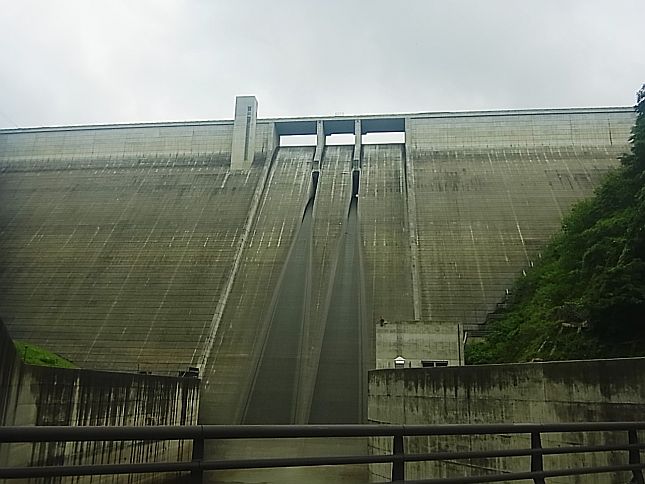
[265,448]
[278,386]
[274,393]
[338,392]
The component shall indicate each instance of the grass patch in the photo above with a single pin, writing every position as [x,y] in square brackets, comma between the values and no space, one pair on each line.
[35,355]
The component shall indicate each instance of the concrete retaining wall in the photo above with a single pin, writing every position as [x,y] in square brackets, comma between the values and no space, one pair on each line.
[8,362]
[418,341]
[35,395]
[585,127]
[212,138]
[575,391]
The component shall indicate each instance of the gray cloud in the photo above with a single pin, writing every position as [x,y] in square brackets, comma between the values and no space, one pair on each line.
[70,62]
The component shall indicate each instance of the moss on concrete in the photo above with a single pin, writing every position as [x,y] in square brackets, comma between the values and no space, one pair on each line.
[35,355]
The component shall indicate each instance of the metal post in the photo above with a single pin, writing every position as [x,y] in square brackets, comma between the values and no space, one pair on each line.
[635,458]
[537,462]
[197,475]
[398,467]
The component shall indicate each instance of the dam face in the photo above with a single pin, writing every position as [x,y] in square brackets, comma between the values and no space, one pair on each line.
[270,268]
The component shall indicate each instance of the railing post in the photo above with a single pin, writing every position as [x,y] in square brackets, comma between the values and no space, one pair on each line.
[197,475]
[398,467]
[537,462]
[635,458]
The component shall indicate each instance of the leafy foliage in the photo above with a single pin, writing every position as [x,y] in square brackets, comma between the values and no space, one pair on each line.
[586,297]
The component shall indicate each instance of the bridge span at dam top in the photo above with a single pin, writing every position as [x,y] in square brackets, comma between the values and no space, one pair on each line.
[213,244]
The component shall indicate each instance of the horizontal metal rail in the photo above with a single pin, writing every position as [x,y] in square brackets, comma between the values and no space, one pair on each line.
[188,432]
[200,433]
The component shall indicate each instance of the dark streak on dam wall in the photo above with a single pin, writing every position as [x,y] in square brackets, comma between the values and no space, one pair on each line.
[36,395]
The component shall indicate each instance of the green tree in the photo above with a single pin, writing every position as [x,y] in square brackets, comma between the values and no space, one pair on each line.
[586,297]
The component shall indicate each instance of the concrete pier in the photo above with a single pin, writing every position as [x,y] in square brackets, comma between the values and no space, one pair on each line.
[244,129]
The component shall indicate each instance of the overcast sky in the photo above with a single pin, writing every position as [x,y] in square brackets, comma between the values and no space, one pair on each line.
[89,61]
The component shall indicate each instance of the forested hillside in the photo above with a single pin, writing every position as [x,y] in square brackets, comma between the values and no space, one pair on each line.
[586,297]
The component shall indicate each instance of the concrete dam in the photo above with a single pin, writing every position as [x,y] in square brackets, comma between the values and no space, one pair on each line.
[284,272]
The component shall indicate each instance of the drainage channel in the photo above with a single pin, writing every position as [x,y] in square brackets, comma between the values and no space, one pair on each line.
[274,392]
[338,393]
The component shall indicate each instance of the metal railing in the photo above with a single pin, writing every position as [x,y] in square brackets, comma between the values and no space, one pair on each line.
[200,433]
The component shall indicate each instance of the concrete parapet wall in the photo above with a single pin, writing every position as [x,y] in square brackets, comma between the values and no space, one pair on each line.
[573,391]
[125,141]
[35,395]
[596,127]
[607,127]
[116,141]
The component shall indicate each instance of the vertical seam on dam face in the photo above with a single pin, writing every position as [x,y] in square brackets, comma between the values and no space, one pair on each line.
[411,222]
[338,392]
[274,391]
